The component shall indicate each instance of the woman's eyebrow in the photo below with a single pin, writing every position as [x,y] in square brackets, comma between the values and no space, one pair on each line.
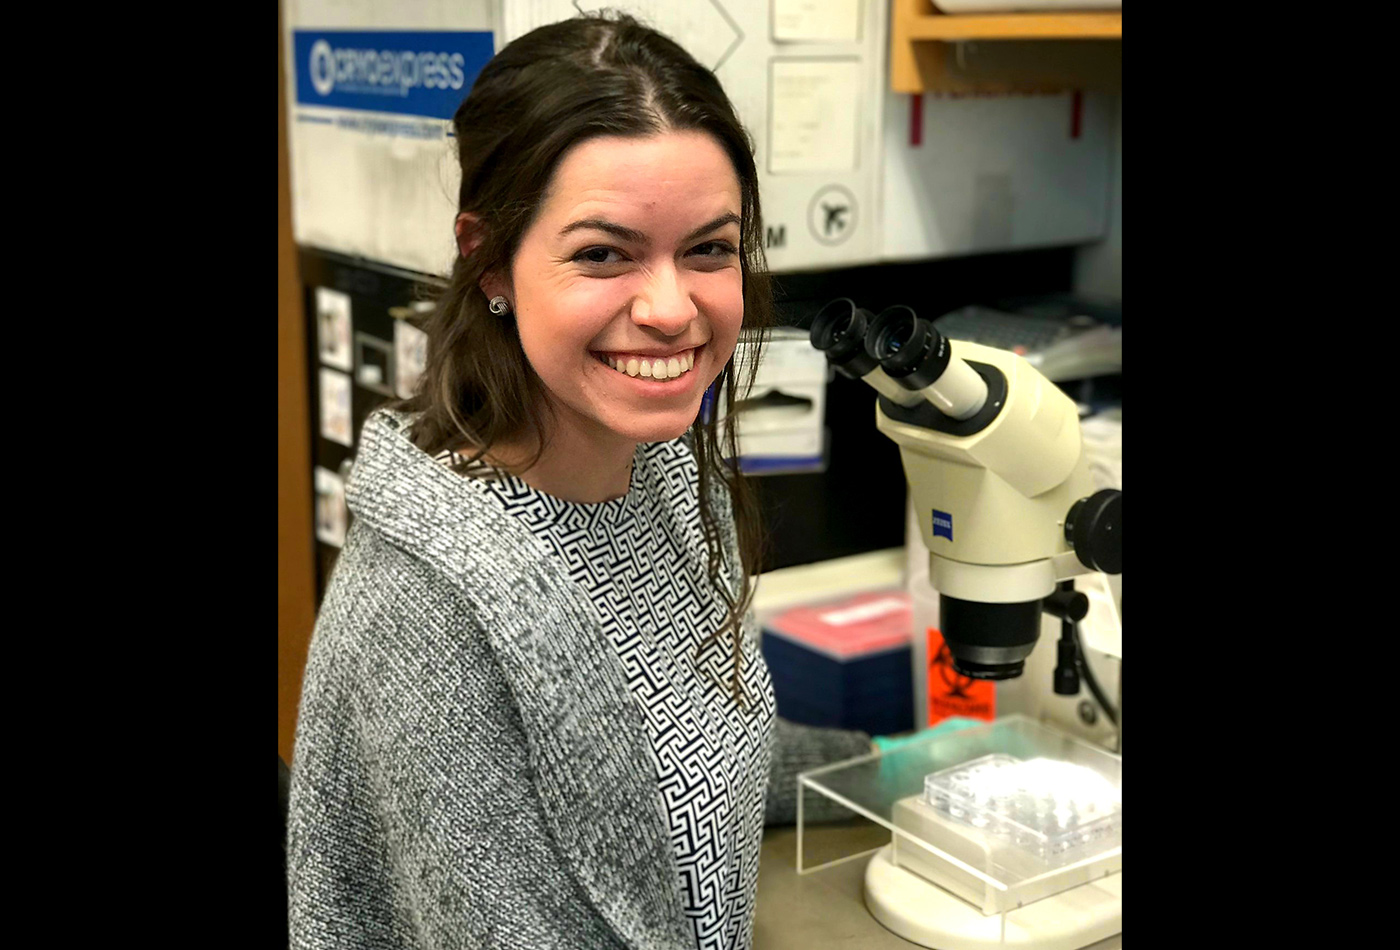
[637,237]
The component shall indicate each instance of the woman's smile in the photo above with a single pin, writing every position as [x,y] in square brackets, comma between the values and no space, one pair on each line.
[656,373]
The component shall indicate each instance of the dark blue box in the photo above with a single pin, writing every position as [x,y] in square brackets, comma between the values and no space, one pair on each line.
[865,685]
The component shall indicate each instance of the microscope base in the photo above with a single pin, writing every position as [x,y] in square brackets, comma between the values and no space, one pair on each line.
[1088,917]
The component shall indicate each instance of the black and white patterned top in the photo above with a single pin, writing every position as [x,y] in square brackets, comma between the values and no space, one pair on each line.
[641,560]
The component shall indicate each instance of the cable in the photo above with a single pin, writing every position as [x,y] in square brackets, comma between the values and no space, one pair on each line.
[1094,688]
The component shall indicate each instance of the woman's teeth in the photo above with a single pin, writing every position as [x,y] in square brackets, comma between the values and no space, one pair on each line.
[653,368]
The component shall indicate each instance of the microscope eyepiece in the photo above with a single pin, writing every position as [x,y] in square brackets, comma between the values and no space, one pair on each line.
[907,347]
[838,330]
[917,357]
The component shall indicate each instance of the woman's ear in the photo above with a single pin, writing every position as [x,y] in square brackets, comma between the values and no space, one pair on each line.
[469,233]
[469,237]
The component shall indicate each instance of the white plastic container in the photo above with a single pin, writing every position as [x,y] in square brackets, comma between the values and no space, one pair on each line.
[1058,812]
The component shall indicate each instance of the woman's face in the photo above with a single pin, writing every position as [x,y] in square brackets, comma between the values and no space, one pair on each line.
[633,260]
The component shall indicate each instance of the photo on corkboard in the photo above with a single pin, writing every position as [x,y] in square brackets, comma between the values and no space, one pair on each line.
[330,508]
[333,327]
[374,364]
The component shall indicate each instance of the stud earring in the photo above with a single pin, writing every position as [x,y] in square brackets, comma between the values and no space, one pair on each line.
[499,305]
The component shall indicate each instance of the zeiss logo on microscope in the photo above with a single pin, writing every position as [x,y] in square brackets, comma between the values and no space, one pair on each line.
[942,525]
[425,74]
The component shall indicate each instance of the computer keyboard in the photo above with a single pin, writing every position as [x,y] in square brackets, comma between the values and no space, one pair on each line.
[1006,331]
[1061,348]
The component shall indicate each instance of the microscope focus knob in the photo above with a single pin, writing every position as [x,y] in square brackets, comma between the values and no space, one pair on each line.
[1094,528]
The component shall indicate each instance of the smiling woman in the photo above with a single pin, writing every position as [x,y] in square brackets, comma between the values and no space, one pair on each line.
[584,132]
[535,713]
[662,289]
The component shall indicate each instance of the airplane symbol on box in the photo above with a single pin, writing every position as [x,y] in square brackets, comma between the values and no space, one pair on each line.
[833,216]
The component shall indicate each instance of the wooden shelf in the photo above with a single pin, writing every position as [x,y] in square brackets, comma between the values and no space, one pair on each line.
[920,38]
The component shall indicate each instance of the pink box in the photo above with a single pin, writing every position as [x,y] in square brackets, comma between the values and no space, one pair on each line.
[846,629]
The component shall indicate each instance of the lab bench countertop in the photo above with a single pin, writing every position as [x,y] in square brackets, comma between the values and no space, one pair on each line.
[822,909]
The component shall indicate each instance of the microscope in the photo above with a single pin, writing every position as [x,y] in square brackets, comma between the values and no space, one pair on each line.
[1008,508]
[999,480]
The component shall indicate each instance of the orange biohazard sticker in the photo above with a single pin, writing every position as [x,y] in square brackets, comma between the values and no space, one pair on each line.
[952,694]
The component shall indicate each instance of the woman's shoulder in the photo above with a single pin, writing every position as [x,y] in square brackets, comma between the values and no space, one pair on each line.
[382,597]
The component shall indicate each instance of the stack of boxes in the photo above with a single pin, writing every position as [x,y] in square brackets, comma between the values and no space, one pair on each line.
[845,664]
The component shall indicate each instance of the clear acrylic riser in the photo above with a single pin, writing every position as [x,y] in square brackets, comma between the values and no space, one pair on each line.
[1000,816]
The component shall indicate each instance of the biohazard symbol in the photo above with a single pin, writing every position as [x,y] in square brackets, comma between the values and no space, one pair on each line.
[957,684]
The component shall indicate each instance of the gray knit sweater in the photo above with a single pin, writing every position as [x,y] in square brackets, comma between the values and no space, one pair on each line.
[470,768]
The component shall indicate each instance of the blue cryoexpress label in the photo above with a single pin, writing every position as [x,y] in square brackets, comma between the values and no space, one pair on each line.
[425,74]
[942,525]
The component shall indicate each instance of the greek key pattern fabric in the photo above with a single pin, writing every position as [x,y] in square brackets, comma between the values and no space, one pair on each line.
[641,560]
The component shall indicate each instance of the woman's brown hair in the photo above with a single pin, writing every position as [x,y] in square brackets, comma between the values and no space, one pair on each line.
[547,91]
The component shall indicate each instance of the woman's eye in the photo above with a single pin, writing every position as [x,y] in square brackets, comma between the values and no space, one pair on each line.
[595,255]
[599,256]
[715,249]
